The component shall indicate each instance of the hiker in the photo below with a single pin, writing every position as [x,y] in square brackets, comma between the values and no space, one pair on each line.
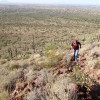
[75,45]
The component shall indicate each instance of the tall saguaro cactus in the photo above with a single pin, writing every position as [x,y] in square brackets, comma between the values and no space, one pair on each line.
[33,43]
[10,52]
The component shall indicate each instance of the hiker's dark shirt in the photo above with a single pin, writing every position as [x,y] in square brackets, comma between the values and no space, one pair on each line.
[76,47]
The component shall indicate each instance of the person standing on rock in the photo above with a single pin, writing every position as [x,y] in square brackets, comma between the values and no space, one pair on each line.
[75,45]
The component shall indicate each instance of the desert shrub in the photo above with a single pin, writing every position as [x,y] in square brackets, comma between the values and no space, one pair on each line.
[88,41]
[50,58]
[50,46]
[8,82]
[56,54]
[67,58]
[66,47]
[65,89]
[44,62]
[95,55]
[48,63]
[95,52]
[4,43]
[5,56]
[28,52]
[36,95]
[97,64]
[3,71]
[14,66]
[4,95]
[3,62]
[81,78]
[93,63]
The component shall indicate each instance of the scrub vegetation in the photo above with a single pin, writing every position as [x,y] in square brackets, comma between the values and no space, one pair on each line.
[35,52]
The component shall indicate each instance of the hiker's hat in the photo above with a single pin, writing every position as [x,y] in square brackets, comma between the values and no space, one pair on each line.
[75,41]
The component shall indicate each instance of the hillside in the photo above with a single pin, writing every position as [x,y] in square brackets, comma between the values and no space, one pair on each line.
[36,54]
[39,78]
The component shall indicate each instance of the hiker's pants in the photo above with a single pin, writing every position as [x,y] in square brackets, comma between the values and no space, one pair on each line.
[75,54]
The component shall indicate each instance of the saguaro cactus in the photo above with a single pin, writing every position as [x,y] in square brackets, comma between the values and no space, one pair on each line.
[33,43]
[10,52]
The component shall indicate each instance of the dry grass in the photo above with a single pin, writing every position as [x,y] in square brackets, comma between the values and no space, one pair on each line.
[4,95]
[9,79]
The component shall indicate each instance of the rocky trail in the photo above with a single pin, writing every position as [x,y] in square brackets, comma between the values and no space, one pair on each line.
[83,94]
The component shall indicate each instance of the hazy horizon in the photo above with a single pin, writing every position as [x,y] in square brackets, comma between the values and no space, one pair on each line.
[53,2]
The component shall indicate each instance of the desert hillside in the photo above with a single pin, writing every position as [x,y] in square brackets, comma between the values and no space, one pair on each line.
[52,76]
[36,54]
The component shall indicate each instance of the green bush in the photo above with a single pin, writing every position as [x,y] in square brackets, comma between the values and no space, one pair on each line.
[81,78]
[6,56]
[3,44]
[50,46]
[14,66]
[50,58]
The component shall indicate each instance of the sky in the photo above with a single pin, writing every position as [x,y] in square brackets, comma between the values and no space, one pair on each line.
[73,2]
